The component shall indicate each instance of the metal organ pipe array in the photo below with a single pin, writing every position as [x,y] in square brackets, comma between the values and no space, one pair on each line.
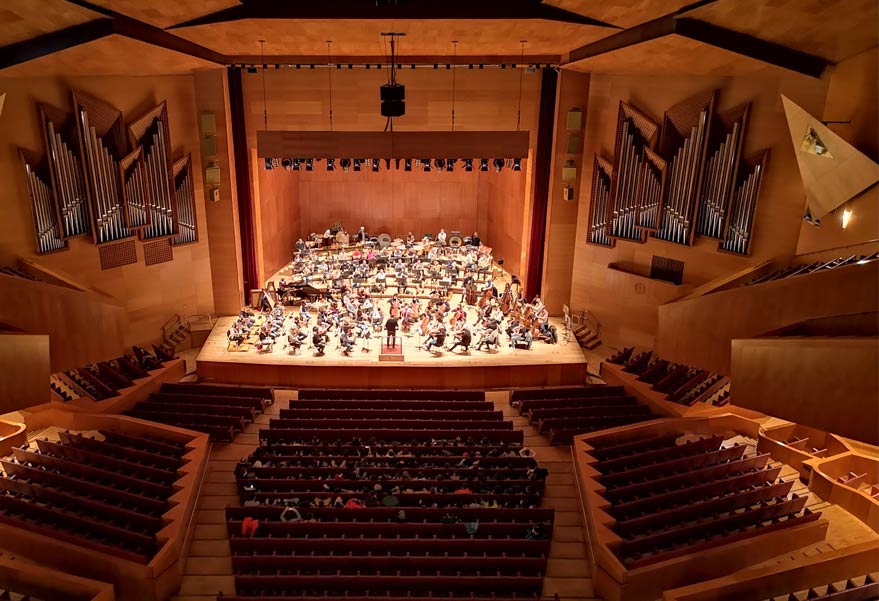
[185,193]
[692,183]
[42,204]
[66,171]
[724,151]
[743,206]
[90,182]
[684,135]
[131,171]
[602,176]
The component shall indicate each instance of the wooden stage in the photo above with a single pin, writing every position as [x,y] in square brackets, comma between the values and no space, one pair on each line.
[559,364]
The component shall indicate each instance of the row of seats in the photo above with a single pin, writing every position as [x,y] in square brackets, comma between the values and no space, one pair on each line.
[219,411]
[680,383]
[673,495]
[107,493]
[105,379]
[806,268]
[562,413]
[355,496]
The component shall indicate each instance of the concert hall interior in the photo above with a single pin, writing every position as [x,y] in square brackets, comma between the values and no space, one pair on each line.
[403,300]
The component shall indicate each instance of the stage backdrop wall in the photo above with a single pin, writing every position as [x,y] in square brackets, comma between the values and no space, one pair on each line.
[626,305]
[150,294]
[396,202]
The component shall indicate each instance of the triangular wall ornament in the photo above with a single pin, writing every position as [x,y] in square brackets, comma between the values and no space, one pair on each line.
[833,171]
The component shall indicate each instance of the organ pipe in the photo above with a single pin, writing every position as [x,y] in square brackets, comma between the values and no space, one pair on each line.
[39,191]
[602,178]
[185,196]
[743,206]
[151,133]
[65,171]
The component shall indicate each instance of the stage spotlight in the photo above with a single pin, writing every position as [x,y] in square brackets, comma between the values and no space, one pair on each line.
[517,164]
[309,164]
[357,163]
[483,165]
[287,164]
[407,165]
[450,164]
[296,164]
[345,163]
[269,165]
[375,165]
[388,164]
[440,163]
[331,164]
[251,69]
[468,164]
[426,163]
[498,165]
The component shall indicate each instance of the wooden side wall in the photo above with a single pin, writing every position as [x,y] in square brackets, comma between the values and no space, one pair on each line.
[151,294]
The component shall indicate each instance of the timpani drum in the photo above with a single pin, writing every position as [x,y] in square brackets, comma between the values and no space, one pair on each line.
[455,240]
[342,238]
[384,240]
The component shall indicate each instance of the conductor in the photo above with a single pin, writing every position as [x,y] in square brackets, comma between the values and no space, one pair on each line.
[391,327]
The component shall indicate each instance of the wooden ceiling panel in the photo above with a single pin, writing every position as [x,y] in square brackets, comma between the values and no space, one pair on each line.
[113,55]
[675,55]
[831,29]
[164,13]
[25,19]
[623,13]
[359,38]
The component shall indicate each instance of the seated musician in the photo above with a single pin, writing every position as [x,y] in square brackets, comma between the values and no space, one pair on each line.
[347,340]
[328,237]
[343,256]
[377,318]
[235,335]
[381,278]
[319,340]
[549,333]
[370,255]
[521,336]
[410,239]
[295,338]
[437,336]
[462,339]
[475,240]
[356,255]
[441,237]
[300,245]
[266,343]
[488,339]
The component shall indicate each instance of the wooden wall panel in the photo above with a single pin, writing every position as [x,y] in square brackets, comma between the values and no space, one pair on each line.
[212,94]
[561,226]
[277,219]
[779,213]
[826,383]
[150,294]
[699,331]
[506,217]
[83,326]
[24,370]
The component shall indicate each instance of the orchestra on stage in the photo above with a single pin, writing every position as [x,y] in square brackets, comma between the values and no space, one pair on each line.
[353,289]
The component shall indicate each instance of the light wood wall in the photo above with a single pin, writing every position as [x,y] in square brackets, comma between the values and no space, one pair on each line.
[396,202]
[826,383]
[150,294]
[24,370]
[779,212]
[212,96]
[852,110]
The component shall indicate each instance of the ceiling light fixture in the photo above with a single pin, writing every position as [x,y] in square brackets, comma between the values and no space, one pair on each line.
[483,165]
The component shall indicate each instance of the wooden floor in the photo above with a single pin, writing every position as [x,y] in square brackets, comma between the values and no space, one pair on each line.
[208,568]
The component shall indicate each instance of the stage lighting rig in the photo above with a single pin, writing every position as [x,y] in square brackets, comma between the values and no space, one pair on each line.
[499,165]
[483,165]
[392,94]
[331,164]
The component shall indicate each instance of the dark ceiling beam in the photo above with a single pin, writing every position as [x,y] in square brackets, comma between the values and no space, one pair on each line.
[138,30]
[412,10]
[747,45]
[49,43]
[706,33]
[426,59]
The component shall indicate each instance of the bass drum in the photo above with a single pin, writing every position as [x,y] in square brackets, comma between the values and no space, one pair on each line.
[342,238]
[384,240]
[455,241]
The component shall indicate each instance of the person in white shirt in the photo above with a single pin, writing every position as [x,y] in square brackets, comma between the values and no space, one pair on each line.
[441,237]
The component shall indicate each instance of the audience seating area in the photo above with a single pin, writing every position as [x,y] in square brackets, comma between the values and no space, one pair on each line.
[657,493]
[108,493]
[806,268]
[104,380]
[562,413]
[391,495]
[682,384]
[219,411]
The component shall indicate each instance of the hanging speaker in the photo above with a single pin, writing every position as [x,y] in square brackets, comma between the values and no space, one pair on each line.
[393,97]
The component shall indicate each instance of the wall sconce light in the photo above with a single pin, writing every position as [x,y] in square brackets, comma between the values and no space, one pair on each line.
[846,217]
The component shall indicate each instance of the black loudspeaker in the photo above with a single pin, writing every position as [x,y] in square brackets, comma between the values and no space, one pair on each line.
[393,99]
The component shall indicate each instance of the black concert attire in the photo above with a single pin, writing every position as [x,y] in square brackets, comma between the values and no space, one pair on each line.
[391,327]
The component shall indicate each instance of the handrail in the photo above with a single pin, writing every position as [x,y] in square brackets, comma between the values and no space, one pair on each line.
[595,325]
[210,318]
